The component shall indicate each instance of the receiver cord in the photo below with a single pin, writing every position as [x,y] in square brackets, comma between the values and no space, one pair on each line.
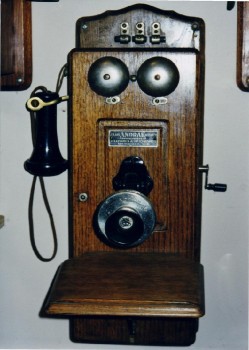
[62,74]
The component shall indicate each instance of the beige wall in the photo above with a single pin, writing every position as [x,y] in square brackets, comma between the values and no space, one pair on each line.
[24,280]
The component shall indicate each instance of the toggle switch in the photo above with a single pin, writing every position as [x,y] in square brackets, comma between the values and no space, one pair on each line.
[139,37]
[124,37]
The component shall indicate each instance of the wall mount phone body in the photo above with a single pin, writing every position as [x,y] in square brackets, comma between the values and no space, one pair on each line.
[136,88]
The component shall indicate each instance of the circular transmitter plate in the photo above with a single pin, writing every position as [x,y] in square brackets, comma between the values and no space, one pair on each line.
[120,200]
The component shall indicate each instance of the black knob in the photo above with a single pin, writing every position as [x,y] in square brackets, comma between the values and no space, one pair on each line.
[217,187]
[108,76]
[133,175]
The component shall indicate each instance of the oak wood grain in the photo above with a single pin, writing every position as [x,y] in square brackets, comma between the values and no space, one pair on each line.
[151,294]
[243,46]
[137,330]
[99,31]
[16,44]
[106,283]
[173,165]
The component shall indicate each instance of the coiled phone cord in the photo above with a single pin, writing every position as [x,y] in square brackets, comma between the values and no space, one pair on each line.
[62,74]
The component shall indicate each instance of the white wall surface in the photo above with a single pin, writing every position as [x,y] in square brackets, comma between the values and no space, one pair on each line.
[24,281]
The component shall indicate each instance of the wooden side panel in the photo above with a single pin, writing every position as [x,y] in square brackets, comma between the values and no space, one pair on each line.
[243,46]
[16,45]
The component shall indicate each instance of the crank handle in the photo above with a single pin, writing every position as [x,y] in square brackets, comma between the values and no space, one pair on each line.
[217,187]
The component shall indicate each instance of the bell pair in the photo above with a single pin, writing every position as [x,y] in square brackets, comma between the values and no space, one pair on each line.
[109,76]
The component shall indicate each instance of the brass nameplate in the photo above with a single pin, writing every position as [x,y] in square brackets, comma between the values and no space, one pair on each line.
[133,138]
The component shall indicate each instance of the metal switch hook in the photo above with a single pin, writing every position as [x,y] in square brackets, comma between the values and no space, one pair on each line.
[217,187]
[36,103]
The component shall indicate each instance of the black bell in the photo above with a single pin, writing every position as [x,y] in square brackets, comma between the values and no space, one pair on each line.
[108,76]
[158,76]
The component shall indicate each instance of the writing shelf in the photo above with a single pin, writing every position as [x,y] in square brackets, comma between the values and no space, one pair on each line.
[127,284]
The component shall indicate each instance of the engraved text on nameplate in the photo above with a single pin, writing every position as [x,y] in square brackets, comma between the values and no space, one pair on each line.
[133,138]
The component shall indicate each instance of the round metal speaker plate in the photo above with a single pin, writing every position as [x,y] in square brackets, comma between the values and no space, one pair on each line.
[125,219]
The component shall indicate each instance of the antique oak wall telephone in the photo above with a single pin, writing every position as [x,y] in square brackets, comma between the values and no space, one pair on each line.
[136,91]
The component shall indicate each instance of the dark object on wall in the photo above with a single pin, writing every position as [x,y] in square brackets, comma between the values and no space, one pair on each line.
[243,45]
[16,45]
[230,5]
[44,0]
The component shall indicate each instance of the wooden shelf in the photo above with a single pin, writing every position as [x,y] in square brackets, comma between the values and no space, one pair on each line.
[127,284]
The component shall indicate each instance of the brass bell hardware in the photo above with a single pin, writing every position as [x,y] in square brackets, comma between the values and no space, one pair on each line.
[36,103]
